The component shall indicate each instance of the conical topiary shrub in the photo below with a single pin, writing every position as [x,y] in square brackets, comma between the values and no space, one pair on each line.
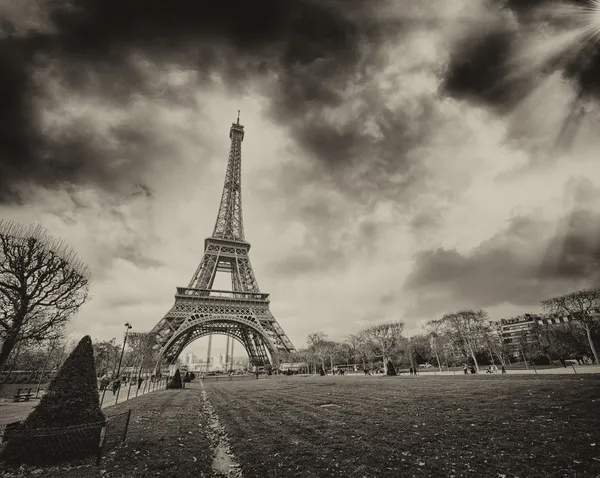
[391,370]
[176,380]
[71,402]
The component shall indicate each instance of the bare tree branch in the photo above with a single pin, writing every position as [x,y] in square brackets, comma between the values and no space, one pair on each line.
[583,308]
[42,284]
[384,338]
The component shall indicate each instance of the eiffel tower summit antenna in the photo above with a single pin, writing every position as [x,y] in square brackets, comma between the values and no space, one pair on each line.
[241,313]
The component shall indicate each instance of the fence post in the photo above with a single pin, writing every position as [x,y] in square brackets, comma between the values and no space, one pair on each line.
[101,444]
[129,389]
[126,425]
[574,370]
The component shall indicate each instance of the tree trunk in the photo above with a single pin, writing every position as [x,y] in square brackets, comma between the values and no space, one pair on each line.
[438,359]
[502,359]
[474,360]
[384,365]
[588,332]
[7,347]
[491,356]
[524,358]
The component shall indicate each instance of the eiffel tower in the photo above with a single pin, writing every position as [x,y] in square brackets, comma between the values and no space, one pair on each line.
[242,312]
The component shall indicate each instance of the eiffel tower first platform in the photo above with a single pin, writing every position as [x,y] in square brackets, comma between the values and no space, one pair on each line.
[242,312]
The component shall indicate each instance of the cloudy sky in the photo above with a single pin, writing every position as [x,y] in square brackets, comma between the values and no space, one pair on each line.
[402,159]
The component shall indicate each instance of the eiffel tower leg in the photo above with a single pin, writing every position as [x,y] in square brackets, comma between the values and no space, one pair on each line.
[208,354]
[227,355]
[249,346]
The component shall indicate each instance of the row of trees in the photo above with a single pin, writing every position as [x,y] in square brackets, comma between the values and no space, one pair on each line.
[466,336]
[140,353]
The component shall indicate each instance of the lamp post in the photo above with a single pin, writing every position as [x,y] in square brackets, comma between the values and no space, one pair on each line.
[127,327]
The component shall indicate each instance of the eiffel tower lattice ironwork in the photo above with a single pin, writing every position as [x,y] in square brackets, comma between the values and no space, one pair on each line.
[242,312]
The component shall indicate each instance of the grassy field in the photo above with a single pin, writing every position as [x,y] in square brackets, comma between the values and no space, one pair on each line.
[464,426]
[425,426]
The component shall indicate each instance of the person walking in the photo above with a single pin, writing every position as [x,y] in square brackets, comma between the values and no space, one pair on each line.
[116,386]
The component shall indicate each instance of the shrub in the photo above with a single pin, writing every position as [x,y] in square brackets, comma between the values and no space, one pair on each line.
[71,399]
[391,370]
[176,381]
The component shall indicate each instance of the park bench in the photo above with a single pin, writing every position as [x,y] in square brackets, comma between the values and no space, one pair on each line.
[23,395]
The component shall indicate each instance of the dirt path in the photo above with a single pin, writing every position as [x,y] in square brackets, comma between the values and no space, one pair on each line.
[224,461]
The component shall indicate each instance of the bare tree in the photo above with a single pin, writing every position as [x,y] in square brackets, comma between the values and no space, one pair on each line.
[106,356]
[353,343]
[496,343]
[316,346]
[42,284]
[467,328]
[434,328]
[384,338]
[545,340]
[143,350]
[582,307]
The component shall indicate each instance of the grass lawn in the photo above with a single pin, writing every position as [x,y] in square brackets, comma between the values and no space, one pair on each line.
[472,426]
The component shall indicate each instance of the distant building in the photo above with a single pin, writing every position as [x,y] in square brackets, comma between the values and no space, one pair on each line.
[518,330]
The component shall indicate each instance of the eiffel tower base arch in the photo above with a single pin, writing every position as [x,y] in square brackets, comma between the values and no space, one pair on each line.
[246,330]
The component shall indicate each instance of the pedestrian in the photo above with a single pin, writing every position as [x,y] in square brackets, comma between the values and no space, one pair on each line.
[116,386]
[503,369]
[465,369]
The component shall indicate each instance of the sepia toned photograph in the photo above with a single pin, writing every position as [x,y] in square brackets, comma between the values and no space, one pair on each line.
[300,238]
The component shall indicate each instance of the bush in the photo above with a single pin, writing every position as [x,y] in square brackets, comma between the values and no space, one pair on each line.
[175,381]
[71,399]
[391,370]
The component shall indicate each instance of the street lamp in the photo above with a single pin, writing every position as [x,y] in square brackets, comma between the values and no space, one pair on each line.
[127,327]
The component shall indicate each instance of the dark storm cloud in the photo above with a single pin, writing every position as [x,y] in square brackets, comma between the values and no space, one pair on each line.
[480,62]
[314,49]
[478,69]
[509,268]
